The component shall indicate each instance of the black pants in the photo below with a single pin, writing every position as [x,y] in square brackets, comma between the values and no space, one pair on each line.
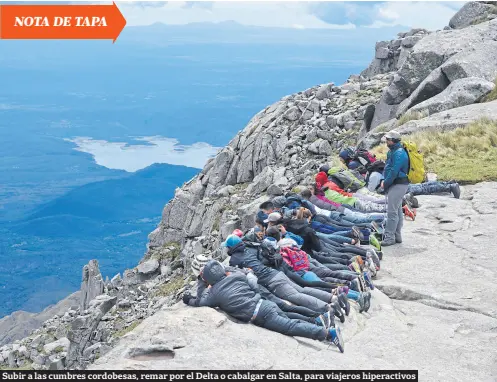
[273,318]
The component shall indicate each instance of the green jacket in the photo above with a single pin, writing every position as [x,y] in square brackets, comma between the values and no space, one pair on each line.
[339,198]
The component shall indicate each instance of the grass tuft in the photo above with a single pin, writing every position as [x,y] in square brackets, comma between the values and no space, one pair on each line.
[411,116]
[467,154]
[124,331]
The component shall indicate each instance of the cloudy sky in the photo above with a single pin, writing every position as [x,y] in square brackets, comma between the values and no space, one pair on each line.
[334,15]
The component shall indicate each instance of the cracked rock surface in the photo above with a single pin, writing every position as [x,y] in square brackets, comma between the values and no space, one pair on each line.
[440,318]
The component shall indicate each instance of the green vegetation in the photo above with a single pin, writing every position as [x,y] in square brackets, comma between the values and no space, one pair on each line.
[170,287]
[492,96]
[466,154]
[124,331]
[169,255]
[411,116]
[215,225]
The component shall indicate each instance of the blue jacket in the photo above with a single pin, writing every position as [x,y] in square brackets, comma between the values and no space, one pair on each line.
[397,165]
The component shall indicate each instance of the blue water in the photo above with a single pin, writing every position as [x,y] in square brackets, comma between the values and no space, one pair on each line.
[58,208]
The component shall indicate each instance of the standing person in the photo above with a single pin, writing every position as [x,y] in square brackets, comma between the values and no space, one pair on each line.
[395,185]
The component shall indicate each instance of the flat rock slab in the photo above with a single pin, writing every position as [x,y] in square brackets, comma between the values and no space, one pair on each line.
[449,256]
[441,319]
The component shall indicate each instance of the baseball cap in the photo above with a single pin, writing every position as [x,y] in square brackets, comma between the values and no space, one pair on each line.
[393,134]
[231,241]
[273,217]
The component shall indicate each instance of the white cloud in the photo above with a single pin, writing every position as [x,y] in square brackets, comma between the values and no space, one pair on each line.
[123,156]
[428,15]
[300,15]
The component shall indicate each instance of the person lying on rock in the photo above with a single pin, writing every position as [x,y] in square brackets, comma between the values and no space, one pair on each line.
[233,294]
[353,201]
[311,273]
[345,214]
[245,255]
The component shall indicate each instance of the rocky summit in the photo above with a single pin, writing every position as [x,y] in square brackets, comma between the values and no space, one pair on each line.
[434,307]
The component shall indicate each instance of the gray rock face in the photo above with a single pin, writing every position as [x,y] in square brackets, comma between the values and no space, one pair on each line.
[148,267]
[459,93]
[320,147]
[92,284]
[471,12]
[83,328]
[479,60]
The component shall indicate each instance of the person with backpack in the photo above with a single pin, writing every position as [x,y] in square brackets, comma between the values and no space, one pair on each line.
[234,294]
[395,185]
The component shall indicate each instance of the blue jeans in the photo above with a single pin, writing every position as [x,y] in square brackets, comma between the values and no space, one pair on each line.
[428,188]
[328,229]
[335,238]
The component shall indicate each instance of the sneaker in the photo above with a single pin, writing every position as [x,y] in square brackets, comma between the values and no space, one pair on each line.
[330,318]
[367,301]
[344,303]
[374,242]
[337,310]
[369,281]
[357,233]
[355,286]
[360,302]
[377,227]
[335,337]
[409,198]
[324,320]
[371,253]
[409,212]
[371,268]
[456,190]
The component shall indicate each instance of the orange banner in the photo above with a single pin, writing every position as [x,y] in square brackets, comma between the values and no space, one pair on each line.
[82,22]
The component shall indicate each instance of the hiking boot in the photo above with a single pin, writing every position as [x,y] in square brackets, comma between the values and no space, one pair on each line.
[374,242]
[371,253]
[456,190]
[387,242]
[343,301]
[367,301]
[360,301]
[335,337]
[356,231]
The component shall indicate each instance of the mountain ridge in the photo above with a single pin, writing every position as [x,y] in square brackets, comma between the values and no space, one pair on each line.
[280,149]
